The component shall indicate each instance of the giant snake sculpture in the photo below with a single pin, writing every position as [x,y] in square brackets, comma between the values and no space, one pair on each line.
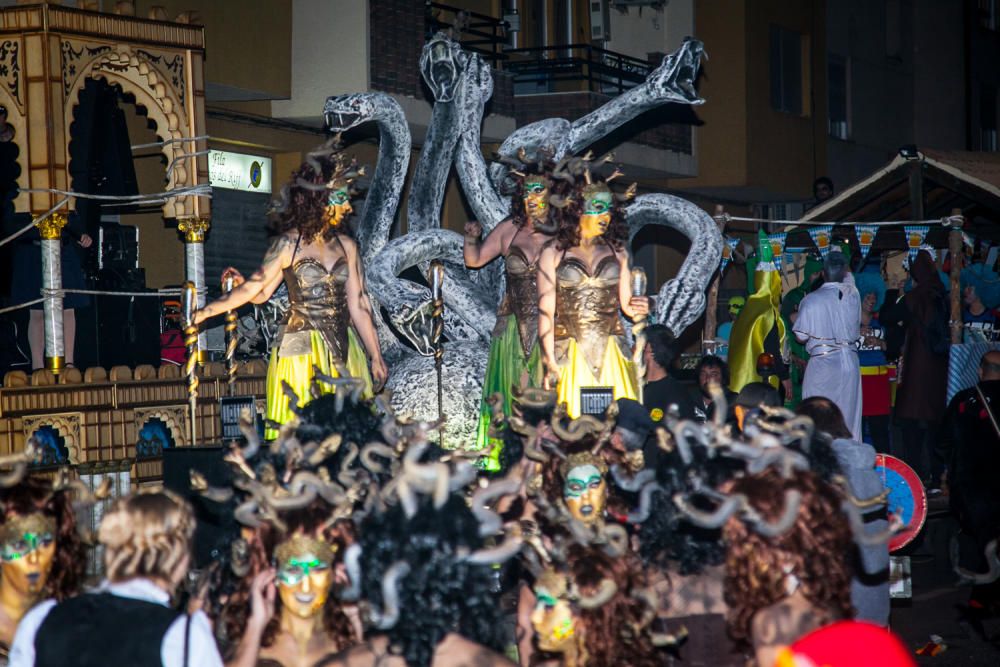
[462,84]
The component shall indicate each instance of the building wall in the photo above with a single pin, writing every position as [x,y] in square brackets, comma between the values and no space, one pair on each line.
[249,45]
[721,139]
[785,151]
[940,117]
[638,32]
[329,55]
[882,65]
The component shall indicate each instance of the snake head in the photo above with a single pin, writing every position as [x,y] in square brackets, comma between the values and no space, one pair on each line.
[343,112]
[678,305]
[442,63]
[673,80]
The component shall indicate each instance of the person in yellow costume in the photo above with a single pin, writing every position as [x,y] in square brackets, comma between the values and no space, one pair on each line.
[584,282]
[315,256]
[759,327]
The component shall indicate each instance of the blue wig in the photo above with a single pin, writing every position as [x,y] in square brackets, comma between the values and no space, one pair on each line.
[870,281]
[985,280]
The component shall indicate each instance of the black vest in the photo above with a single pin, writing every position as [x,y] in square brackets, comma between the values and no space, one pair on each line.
[100,629]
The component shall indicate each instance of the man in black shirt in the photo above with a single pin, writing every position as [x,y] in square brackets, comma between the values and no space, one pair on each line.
[711,369]
[661,390]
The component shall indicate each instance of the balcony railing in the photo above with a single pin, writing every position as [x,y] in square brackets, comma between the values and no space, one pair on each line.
[603,71]
[482,34]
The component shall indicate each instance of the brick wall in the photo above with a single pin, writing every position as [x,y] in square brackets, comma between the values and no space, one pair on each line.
[644,130]
[397,31]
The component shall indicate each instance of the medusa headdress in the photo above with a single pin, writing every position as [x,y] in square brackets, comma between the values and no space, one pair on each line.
[591,195]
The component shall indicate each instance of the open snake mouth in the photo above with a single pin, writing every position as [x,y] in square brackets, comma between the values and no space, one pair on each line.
[685,65]
[338,121]
[442,70]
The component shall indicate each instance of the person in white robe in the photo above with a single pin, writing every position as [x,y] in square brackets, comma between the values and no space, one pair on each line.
[829,322]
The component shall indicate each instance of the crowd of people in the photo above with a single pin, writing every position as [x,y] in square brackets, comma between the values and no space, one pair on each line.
[358,541]
[712,527]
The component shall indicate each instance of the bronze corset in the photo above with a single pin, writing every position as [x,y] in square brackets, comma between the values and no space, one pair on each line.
[587,307]
[521,299]
[318,301]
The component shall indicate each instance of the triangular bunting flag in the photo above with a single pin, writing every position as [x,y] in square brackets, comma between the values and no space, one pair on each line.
[778,247]
[822,236]
[915,235]
[866,236]
[727,251]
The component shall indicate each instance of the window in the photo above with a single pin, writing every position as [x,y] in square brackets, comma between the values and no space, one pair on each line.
[838,92]
[786,70]
[988,118]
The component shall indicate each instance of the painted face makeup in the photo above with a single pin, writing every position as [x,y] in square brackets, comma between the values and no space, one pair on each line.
[536,199]
[27,548]
[553,620]
[338,206]
[596,214]
[305,575]
[585,493]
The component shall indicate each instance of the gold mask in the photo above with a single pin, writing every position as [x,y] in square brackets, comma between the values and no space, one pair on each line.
[27,548]
[585,491]
[536,198]
[305,574]
[553,618]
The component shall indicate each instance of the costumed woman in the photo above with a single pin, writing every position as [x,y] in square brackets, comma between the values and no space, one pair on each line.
[317,259]
[584,283]
[519,240]
[427,575]
[288,607]
[779,588]
[42,554]
[876,404]
[592,611]
[128,620]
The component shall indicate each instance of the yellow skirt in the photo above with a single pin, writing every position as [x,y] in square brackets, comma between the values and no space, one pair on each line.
[617,372]
[297,371]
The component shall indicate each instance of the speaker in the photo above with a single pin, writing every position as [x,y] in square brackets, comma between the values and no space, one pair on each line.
[216,525]
[118,331]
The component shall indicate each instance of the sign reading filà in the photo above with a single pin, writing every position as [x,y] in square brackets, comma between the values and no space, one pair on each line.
[239,171]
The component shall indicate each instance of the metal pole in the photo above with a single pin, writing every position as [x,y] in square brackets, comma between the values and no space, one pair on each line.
[51,232]
[194,230]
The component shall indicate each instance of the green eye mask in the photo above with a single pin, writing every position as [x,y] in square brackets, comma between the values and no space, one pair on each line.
[599,204]
[19,548]
[534,188]
[338,197]
[544,598]
[294,570]
[580,479]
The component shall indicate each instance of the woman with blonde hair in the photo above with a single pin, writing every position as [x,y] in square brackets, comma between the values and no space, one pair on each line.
[147,552]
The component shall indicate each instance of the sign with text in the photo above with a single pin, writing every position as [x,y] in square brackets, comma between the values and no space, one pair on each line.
[239,171]
[595,400]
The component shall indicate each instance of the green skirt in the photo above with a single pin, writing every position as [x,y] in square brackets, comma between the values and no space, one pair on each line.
[504,369]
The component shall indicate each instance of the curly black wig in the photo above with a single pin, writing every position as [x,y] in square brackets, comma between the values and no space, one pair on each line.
[441,593]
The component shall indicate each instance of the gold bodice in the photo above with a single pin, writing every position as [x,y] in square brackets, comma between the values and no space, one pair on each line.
[317,301]
[587,307]
[521,299]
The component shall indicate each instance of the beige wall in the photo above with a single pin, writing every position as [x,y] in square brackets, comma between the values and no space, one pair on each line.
[786,152]
[247,44]
[721,142]
[329,54]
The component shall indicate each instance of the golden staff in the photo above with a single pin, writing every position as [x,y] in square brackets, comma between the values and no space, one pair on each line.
[232,338]
[189,301]
[639,289]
